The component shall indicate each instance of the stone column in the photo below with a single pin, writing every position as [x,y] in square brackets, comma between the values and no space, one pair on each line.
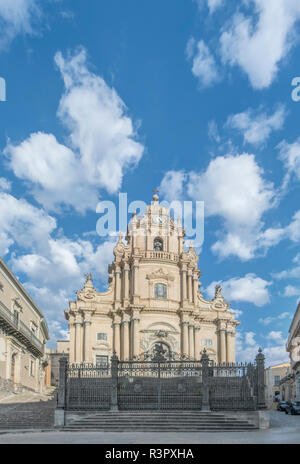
[230,341]
[135,334]
[87,338]
[191,342]
[222,345]
[195,288]
[185,338]
[72,340]
[183,284]
[197,342]
[135,279]
[125,338]
[77,339]
[190,286]
[126,282]
[117,336]
[117,283]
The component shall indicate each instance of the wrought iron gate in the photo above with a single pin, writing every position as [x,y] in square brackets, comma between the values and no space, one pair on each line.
[88,386]
[160,385]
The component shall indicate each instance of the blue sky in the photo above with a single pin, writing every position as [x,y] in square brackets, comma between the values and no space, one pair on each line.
[191,97]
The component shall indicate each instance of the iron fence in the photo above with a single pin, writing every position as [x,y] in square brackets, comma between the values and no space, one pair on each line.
[162,384]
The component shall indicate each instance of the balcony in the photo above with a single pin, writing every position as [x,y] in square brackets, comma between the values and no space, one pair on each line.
[160,256]
[19,330]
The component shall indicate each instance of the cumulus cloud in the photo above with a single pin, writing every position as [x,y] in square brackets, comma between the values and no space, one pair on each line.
[5,185]
[212,5]
[23,224]
[269,319]
[171,187]
[294,272]
[289,154]
[203,63]
[273,348]
[233,188]
[291,290]
[101,145]
[17,17]
[258,41]
[250,289]
[54,265]
[256,126]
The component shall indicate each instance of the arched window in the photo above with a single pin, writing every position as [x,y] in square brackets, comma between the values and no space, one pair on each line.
[158,244]
[160,291]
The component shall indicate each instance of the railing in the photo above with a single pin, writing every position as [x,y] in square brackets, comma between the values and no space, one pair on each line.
[20,327]
[162,255]
[162,384]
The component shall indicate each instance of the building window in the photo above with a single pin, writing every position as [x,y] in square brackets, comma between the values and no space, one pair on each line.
[16,316]
[102,336]
[160,291]
[207,342]
[31,367]
[158,244]
[276,380]
[101,360]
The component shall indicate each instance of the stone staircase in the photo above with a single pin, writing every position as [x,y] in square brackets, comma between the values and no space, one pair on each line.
[158,421]
[28,411]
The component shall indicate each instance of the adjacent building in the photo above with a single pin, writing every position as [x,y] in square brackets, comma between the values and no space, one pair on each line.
[291,384]
[273,378]
[62,350]
[23,337]
[154,298]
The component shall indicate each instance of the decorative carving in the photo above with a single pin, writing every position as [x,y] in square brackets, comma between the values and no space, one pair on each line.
[160,274]
[218,301]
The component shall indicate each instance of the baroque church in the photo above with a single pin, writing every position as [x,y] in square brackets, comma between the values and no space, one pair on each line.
[154,299]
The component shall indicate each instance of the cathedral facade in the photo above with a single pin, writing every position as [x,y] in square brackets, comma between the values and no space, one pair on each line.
[154,298]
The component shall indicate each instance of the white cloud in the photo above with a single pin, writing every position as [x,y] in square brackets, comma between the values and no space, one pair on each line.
[212,5]
[54,265]
[273,236]
[23,224]
[256,127]
[249,338]
[250,289]
[102,143]
[291,290]
[5,185]
[17,17]
[268,320]
[259,42]
[213,131]
[289,154]
[237,312]
[203,63]
[294,272]
[233,188]
[171,187]
[276,336]
[247,348]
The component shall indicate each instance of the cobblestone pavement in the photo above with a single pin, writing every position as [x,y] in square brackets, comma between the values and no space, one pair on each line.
[284,429]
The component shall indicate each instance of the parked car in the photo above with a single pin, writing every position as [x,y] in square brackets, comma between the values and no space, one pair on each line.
[292,408]
[282,405]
